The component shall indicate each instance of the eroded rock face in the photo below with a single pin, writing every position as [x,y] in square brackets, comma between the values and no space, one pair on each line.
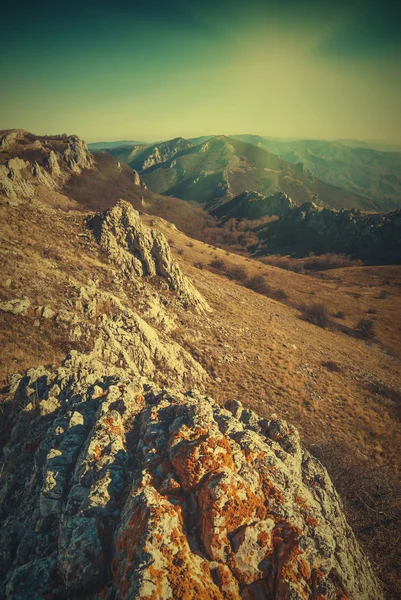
[8,138]
[113,487]
[56,159]
[77,156]
[140,251]
[13,181]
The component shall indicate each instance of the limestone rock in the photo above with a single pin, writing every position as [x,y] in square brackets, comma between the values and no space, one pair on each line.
[140,251]
[47,312]
[8,138]
[52,164]
[42,176]
[77,155]
[16,306]
[173,495]
[137,180]
[13,179]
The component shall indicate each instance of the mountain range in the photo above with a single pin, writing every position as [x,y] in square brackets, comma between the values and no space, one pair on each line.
[210,170]
[214,171]
[233,221]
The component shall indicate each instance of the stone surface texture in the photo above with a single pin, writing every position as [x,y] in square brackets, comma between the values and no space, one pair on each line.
[114,488]
[139,251]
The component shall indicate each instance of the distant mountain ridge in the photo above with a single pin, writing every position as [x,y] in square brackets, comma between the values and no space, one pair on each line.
[371,171]
[220,168]
[110,145]
[363,170]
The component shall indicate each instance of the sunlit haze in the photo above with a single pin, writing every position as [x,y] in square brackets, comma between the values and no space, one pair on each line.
[110,71]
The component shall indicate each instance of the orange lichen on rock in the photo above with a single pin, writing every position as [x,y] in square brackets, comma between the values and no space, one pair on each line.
[193,459]
[97,452]
[114,428]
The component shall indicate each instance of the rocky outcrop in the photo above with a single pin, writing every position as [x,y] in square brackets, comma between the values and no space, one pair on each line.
[116,489]
[77,155]
[159,153]
[42,176]
[38,161]
[8,138]
[139,251]
[136,179]
[309,228]
[252,205]
[13,179]
[52,164]
[16,306]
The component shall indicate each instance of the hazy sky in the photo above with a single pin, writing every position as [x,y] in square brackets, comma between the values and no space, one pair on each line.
[122,70]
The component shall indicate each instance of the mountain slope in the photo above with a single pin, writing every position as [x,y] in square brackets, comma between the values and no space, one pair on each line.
[364,171]
[93,146]
[106,452]
[110,438]
[220,168]
[141,157]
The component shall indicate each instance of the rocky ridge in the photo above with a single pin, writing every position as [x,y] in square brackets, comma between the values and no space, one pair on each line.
[27,161]
[310,228]
[116,487]
[253,206]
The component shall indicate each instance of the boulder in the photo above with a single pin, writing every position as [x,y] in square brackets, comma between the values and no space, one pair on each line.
[128,491]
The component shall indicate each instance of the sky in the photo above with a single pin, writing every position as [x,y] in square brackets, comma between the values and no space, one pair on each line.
[157,70]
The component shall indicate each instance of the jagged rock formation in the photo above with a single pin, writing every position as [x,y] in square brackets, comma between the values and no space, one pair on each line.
[114,488]
[13,182]
[252,206]
[139,251]
[308,228]
[76,155]
[27,161]
[8,138]
[137,180]
[142,157]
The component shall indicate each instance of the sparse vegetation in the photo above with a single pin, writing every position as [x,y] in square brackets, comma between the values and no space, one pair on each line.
[237,273]
[218,264]
[316,314]
[332,366]
[258,284]
[339,314]
[372,503]
[365,329]
[312,263]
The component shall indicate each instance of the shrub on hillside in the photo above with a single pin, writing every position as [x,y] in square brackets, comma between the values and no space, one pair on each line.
[218,264]
[330,261]
[237,273]
[258,284]
[332,366]
[316,314]
[365,329]
[383,295]
[279,294]
[339,315]
[199,265]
